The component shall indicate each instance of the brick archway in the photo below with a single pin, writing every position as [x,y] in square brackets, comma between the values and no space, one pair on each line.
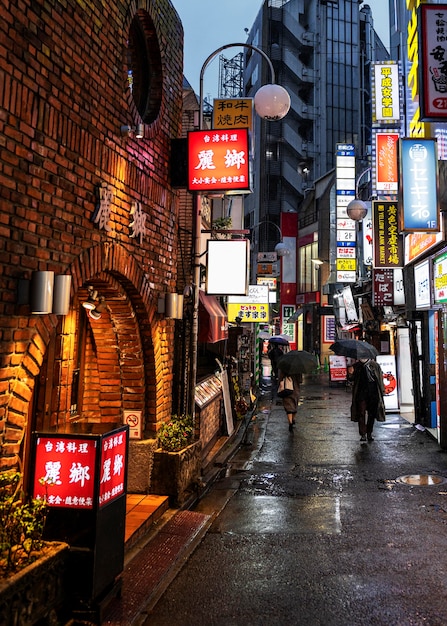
[133,324]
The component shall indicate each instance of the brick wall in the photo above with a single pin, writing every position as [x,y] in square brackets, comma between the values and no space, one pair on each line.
[64,95]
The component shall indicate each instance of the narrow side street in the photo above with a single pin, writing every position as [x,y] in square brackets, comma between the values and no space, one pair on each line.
[317,528]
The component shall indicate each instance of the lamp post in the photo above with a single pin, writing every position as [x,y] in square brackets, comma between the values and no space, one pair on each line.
[272,102]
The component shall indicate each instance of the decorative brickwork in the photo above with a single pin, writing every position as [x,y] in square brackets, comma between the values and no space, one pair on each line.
[64,95]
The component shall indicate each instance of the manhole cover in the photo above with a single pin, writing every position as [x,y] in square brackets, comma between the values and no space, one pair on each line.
[421,479]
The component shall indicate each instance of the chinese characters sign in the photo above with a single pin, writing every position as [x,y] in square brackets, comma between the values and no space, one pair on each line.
[112,466]
[346,233]
[65,471]
[252,308]
[433,56]
[419,197]
[388,244]
[77,472]
[233,113]
[218,160]
[383,287]
[440,279]
[386,105]
[386,161]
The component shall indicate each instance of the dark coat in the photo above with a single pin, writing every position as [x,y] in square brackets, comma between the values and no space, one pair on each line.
[358,391]
[290,403]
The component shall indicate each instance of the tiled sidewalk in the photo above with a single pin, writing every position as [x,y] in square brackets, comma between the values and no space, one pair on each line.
[146,576]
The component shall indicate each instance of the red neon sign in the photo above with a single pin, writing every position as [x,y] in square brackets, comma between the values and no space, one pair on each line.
[113,463]
[218,160]
[65,471]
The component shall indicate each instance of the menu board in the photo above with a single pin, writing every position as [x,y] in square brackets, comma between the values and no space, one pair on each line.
[207,390]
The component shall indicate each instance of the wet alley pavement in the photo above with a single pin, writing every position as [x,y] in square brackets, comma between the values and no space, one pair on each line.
[317,528]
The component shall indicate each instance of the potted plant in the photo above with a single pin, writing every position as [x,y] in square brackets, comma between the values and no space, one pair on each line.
[222,223]
[31,570]
[177,462]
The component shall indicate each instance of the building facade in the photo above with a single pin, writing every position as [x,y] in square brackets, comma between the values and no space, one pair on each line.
[90,98]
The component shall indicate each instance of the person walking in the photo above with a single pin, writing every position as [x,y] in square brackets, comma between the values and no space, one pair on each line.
[367,396]
[274,353]
[290,403]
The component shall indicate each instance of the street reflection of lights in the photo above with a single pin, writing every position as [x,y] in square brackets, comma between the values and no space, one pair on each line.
[421,479]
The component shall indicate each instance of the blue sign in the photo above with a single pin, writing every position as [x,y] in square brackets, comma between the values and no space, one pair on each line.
[419,185]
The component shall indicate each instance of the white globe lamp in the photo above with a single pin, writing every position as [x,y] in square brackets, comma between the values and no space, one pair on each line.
[281,249]
[357,210]
[272,102]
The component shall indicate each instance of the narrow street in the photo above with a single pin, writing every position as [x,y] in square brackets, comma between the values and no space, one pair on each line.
[315,528]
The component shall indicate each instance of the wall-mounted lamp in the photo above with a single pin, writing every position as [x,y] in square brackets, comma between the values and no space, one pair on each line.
[318,262]
[96,312]
[171,305]
[95,303]
[133,131]
[90,303]
[41,292]
[46,293]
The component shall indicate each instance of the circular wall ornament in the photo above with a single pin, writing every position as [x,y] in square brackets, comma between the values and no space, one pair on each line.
[144,67]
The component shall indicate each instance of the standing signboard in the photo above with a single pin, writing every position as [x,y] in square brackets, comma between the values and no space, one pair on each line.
[83,478]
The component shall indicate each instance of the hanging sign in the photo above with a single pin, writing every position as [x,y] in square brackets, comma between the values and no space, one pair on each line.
[383,287]
[218,160]
[388,244]
[440,279]
[385,93]
[419,185]
[433,65]
[386,163]
[233,113]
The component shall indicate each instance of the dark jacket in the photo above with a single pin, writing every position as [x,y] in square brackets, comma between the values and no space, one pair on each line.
[290,403]
[373,371]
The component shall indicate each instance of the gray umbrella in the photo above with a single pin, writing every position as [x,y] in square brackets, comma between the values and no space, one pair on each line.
[354,348]
[297,362]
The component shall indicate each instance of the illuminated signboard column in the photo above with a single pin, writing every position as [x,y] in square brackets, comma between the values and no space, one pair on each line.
[346,261]
[83,479]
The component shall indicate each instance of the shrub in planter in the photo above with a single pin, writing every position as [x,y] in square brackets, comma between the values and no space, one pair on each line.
[176,434]
[21,525]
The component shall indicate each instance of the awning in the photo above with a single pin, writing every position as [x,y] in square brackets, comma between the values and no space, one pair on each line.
[213,322]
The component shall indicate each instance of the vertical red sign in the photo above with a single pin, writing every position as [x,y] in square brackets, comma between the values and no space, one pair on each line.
[383,287]
[113,466]
[387,162]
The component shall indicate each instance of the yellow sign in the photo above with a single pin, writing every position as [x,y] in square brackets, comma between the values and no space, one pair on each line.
[346,265]
[233,113]
[248,312]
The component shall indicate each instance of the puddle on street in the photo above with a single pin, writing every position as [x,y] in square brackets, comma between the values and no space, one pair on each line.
[421,479]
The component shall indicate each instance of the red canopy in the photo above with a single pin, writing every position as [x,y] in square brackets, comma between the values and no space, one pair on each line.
[213,322]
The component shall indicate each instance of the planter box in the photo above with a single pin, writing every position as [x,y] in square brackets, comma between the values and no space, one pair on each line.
[175,474]
[36,594]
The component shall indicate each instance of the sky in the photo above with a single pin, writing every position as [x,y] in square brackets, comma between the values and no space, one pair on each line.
[207,29]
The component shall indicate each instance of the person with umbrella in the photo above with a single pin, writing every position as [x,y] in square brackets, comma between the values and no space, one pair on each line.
[294,364]
[368,388]
[367,396]
[274,352]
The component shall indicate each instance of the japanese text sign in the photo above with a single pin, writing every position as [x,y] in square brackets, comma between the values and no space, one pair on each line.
[386,106]
[419,185]
[233,113]
[386,162]
[422,285]
[78,472]
[252,308]
[433,65]
[383,287]
[388,243]
[440,279]
[218,160]
[64,471]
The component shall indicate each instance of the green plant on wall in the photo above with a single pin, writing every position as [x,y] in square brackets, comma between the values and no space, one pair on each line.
[21,525]
[177,433]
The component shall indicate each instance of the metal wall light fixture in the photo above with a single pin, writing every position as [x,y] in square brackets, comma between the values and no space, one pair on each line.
[133,131]
[49,293]
[95,304]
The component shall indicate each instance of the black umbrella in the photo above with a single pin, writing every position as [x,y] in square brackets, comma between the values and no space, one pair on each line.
[279,339]
[297,362]
[354,348]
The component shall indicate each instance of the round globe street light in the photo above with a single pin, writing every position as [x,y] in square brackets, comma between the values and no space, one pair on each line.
[272,102]
[357,210]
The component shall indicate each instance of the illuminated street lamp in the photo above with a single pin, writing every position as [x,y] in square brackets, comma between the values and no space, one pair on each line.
[271,102]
